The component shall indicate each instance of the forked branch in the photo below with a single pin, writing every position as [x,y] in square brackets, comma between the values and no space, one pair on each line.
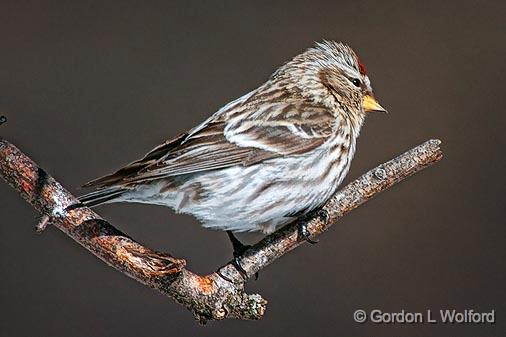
[220,294]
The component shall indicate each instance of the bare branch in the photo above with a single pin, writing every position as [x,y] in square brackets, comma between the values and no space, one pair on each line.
[220,294]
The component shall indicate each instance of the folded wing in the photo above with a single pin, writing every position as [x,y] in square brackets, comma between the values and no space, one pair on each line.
[242,138]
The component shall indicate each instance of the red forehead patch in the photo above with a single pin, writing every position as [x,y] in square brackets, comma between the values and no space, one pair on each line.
[361,67]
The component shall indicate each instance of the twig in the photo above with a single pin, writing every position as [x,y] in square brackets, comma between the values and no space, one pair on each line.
[220,294]
[42,224]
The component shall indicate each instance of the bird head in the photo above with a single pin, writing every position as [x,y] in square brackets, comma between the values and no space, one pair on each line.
[331,73]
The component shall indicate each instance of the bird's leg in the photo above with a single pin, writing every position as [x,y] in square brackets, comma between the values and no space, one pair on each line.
[239,249]
[238,246]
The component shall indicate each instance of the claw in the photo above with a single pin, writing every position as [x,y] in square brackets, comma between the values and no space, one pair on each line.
[236,262]
[305,233]
[323,215]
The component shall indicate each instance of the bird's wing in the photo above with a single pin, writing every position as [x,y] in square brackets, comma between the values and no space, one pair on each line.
[240,138]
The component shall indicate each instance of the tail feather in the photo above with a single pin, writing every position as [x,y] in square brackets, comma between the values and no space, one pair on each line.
[116,177]
[101,196]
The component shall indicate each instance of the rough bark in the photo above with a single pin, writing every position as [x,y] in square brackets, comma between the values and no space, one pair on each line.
[220,294]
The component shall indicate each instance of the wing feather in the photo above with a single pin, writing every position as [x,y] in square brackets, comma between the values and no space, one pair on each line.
[288,129]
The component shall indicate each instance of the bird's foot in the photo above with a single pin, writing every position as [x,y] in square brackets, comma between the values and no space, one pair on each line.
[323,215]
[303,231]
[236,262]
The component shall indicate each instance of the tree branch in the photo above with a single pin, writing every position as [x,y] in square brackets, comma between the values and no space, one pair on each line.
[220,294]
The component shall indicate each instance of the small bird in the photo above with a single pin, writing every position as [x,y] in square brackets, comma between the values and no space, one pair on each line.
[262,160]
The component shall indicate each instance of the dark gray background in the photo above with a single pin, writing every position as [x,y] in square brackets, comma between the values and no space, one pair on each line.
[88,86]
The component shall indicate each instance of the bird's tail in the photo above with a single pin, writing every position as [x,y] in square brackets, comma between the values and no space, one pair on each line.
[102,196]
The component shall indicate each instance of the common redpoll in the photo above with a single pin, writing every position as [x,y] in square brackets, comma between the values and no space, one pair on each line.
[277,152]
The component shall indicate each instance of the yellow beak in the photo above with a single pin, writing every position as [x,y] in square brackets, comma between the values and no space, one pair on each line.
[370,104]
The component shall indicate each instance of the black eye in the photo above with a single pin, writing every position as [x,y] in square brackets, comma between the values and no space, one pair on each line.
[356,82]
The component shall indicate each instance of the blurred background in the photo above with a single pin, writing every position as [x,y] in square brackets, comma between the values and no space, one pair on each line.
[88,86]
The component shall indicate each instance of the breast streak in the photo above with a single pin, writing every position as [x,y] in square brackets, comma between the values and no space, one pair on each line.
[328,172]
[242,198]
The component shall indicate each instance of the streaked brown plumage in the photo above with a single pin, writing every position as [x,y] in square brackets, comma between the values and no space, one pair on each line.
[278,151]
